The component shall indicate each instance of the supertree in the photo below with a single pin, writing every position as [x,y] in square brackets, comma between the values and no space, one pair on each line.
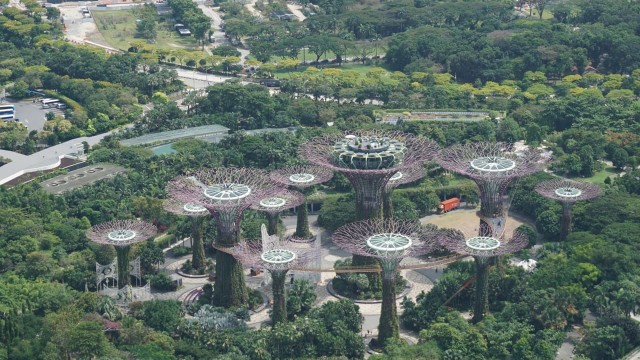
[483,249]
[197,213]
[274,204]
[389,242]
[301,178]
[405,176]
[492,166]
[567,192]
[368,159]
[276,255]
[226,193]
[121,234]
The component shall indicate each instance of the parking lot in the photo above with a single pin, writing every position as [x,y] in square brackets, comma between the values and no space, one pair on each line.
[31,114]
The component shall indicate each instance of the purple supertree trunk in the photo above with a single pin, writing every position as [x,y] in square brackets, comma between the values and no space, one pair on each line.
[277,256]
[388,242]
[567,192]
[226,193]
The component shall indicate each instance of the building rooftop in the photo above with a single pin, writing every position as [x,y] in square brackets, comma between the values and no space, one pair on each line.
[168,136]
[81,177]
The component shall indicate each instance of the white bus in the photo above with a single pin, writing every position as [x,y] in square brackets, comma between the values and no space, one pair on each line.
[7,112]
[49,102]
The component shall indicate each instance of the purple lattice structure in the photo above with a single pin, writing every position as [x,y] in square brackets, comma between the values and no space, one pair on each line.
[406,176]
[197,213]
[389,242]
[276,255]
[121,234]
[483,249]
[301,177]
[226,193]
[567,192]
[492,166]
[369,159]
[277,203]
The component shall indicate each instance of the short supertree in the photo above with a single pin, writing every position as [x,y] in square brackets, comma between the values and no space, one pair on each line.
[276,255]
[405,176]
[389,242]
[567,192]
[121,234]
[301,178]
[369,159]
[276,203]
[197,213]
[492,166]
[483,249]
[226,193]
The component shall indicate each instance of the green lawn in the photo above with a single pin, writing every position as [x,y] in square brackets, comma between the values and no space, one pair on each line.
[598,177]
[118,27]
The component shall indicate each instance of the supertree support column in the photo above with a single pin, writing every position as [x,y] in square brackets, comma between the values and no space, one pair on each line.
[567,192]
[197,214]
[483,249]
[388,242]
[226,193]
[405,176]
[492,166]
[301,178]
[277,256]
[121,234]
[369,159]
[277,203]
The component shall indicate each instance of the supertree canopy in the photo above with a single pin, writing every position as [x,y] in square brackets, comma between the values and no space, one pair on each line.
[121,234]
[197,213]
[274,204]
[492,166]
[301,177]
[483,249]
[567,192]
[276,255]
[405,176]
[369,159]
[389,242]
[226,193]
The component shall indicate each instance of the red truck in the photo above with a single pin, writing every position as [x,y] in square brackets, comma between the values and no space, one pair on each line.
[448,205]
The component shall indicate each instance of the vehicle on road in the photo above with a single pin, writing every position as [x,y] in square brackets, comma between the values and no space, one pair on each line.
[448,205]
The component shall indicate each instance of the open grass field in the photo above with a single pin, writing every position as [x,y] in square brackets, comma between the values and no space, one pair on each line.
[118,27]
[600,176]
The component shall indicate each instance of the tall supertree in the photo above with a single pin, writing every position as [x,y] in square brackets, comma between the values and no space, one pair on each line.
[483,249]
[121,234]
[405,176]
[197,213]
[369,159]
[276,255]
[276,203]
[226,193]
[567,192]
[301,178]
[388,242]
[492,166]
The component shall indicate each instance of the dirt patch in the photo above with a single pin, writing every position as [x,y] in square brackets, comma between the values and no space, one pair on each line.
[467,221]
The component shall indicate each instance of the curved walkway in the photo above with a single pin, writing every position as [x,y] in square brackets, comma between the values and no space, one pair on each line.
[46,159]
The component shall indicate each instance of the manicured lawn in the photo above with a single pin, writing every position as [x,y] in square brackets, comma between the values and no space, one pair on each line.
[118,27]
[598,177]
